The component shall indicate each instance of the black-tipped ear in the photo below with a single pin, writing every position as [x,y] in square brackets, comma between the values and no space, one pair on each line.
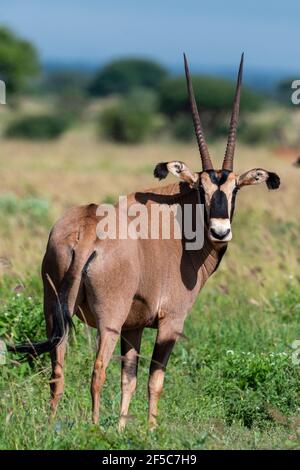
[273,181]
[161,170]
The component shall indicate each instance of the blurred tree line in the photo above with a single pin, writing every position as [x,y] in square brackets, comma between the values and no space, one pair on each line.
[143,98]
[18,61]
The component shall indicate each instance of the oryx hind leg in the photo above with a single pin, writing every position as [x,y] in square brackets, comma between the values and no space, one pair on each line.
[57,380]
[57,356]
[58,352]
[130,348]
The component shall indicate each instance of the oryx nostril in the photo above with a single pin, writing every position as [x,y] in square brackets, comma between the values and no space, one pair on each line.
[219,235]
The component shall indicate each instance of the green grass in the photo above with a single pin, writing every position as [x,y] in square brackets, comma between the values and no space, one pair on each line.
[230,383]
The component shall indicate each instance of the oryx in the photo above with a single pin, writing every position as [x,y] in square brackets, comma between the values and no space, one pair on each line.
[122,285]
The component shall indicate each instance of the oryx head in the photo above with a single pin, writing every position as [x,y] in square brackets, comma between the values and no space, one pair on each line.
[217,188]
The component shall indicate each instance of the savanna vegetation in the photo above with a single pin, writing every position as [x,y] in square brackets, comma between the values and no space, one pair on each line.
[231,382]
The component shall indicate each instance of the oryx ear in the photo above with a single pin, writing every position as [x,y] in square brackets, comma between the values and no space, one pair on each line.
[178,169]
[257,176]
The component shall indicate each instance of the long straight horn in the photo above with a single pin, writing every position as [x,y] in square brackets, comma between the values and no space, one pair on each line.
[229,154]
[206,161]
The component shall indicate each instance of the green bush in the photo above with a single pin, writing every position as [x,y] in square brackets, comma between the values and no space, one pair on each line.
[254,384]
[22,318]
[39,127]
[124,75]
[212,94]
[131,120]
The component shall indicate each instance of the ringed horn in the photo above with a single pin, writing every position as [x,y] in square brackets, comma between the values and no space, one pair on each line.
[203,149]
[229,154]
[204,153]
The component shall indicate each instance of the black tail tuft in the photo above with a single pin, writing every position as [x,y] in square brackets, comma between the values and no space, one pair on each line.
[62,322]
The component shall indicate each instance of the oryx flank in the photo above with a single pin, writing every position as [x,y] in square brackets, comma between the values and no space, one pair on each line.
[120,286]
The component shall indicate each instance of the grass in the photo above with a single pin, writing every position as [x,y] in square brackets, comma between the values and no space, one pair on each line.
[231,384]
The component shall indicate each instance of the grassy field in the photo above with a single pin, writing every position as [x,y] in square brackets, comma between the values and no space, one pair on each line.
[231,384]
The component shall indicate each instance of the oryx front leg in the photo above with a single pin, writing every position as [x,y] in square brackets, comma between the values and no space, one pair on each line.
[166,338]
[130,348]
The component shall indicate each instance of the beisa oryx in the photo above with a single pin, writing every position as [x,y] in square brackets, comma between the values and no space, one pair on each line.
[122,285]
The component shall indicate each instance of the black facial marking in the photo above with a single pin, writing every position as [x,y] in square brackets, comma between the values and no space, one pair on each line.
[218,180]
[273,182]
[161,171]
[202,201]
[234,193]
[219,205]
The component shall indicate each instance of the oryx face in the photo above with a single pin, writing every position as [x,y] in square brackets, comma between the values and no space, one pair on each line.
[217,192]
[217,188]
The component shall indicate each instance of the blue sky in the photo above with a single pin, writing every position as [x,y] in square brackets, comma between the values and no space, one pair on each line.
[213,33]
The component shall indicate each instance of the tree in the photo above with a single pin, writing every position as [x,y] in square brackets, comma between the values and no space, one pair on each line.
[214,99]
[124,75]
[212,94]
[18,61]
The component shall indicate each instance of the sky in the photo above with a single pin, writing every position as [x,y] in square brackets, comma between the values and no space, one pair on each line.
[212,33]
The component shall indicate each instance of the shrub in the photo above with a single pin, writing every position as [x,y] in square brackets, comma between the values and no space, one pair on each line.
[22,318]
[131,120]
[253,384]
[122,76]
[39,127]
